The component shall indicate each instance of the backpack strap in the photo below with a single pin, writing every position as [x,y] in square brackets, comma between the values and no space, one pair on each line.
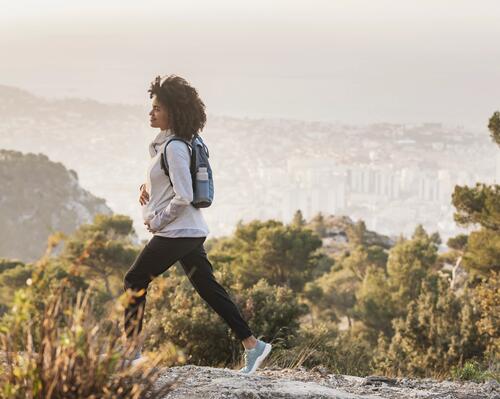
[203,144]
[163,160]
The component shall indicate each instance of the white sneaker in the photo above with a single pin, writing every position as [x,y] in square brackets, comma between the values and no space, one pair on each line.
[137,359]
[254,357]
[141,359]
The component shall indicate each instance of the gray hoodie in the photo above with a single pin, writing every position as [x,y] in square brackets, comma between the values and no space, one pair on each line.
[169,208]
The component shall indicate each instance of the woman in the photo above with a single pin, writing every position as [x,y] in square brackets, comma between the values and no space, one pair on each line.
[179,229]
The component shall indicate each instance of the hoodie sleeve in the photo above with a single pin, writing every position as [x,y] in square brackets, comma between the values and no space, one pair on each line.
[179,160]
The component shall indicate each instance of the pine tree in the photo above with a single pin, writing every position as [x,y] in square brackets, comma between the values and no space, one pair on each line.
[409,263]
[438,332]
[298,219]
[480,205]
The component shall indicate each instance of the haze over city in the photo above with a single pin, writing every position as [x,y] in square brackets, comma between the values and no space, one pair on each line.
[398,92]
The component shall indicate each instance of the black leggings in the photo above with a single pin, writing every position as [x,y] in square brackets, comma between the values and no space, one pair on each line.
[156,257]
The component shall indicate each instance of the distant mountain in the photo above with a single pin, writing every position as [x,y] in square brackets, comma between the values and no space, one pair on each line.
[19,103]
[38,197]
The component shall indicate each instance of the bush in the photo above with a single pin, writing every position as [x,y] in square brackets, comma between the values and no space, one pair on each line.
[176,313]
[472,371]
[273,312]
[438,332]
[339,352]
[76,357]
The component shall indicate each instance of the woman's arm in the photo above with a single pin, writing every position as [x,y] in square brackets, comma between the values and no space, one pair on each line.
[179,160]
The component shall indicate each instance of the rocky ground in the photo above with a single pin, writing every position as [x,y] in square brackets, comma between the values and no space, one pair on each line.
[211,383]
[196,382]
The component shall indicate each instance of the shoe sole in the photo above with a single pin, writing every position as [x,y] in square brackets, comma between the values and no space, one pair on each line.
[260,359]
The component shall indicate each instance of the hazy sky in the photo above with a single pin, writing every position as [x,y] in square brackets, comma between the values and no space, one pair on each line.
[355,61]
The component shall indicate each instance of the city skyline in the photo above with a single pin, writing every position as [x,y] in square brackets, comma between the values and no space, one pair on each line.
[392,176]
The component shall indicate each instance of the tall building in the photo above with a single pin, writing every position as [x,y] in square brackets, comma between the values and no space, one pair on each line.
[375,180]
[428,187]
[314,185]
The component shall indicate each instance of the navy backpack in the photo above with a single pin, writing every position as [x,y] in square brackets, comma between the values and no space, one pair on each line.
[199,159]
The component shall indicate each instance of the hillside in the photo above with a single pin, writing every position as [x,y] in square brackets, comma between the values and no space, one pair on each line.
[39,197]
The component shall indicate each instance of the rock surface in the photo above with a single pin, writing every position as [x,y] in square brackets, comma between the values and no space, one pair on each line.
[207,382]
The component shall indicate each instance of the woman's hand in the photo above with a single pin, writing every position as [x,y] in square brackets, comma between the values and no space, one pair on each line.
[144,197]
[152,223]
[149,227]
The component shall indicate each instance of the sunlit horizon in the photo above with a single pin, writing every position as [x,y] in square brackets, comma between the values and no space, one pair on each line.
[347,61]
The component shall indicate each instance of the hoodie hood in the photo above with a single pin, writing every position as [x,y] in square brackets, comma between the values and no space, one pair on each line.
[159,140]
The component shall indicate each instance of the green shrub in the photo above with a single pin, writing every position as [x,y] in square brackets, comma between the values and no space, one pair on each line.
[76,357]
[273,312]
[339,352]
[176,313]
[439,331]
[472,371]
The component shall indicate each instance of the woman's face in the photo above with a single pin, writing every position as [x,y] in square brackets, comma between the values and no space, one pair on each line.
[158,115]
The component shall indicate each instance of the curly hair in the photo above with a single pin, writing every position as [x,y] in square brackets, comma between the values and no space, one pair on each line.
[186,110]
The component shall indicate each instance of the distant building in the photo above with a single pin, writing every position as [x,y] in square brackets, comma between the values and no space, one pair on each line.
[314,185]
[378,181]
[428,188]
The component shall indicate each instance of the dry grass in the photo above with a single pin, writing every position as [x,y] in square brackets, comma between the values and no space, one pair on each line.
[297,356]
[75,357]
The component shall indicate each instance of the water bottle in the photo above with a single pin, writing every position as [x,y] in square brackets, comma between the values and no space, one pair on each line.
[202,192]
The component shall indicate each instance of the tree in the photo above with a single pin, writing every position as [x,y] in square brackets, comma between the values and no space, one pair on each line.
[483,252]
[494,127]
[341,284]
[361,257]
[318,224]
[103,250]
[13,275]
[339,287]
[438,332]
[298,219]
[408,264]
[487,297]
[458,243]
[356,233]
[313,295]
[282,255]
[273,311]
[480,205]
[373,303]
[6,264]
